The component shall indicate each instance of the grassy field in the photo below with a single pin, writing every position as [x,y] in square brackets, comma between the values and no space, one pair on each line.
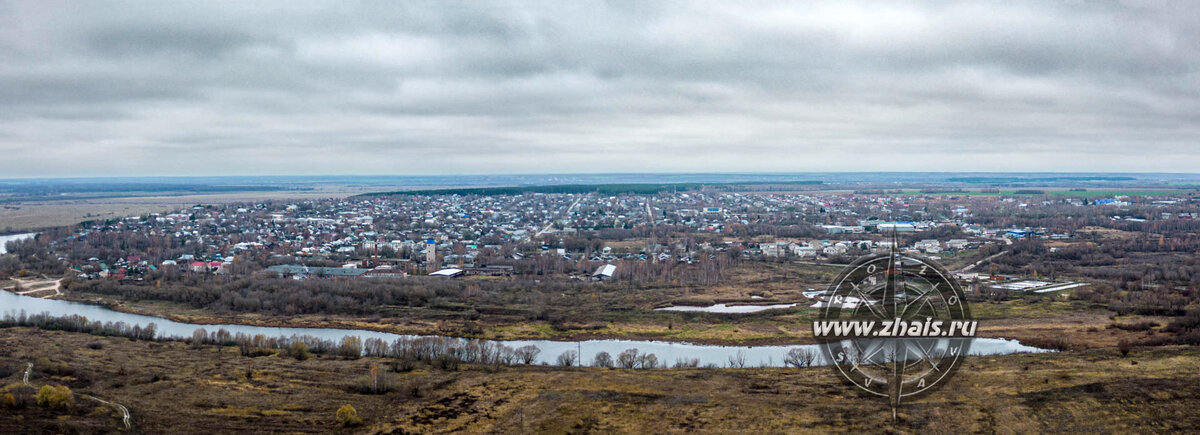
[172,387]
[24,216]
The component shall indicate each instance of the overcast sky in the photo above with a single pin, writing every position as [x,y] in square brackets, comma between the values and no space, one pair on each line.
[440,87]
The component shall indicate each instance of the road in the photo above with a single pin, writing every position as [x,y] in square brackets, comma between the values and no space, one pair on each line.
[119,407]
[968,267]
[546,228]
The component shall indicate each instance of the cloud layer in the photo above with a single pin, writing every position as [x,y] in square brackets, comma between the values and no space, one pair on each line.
[438,87]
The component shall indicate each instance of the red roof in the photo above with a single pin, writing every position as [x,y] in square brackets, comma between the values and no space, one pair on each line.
[197,263]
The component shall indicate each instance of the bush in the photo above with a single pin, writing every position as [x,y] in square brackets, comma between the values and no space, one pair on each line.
[1144,325]
[351,347]
[1124,346]
[685,363]
[298,350]
[54,369]
[348,416]
[57,397]
[21,395]
[1055,343]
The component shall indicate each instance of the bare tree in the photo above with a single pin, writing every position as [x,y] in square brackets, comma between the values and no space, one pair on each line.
[568,358]
[603,359]
[527,354]
[800,357]
[627,359]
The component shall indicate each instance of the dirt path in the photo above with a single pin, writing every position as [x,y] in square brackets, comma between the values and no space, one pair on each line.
[968,267]
[31,286]
[115,405]
[119,407]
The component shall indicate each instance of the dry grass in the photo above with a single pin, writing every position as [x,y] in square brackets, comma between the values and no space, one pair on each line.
[206,391]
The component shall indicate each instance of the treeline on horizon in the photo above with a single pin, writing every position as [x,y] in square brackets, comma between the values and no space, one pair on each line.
[604,189]
[984,180]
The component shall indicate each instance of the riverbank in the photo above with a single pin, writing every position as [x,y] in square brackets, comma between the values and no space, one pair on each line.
[58,314]
[1043,322]
[1091,391]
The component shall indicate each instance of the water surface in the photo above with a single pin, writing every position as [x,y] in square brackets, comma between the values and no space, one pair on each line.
[667,352]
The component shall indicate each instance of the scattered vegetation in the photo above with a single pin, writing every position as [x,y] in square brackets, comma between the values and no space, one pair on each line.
[347,416]
[55,397]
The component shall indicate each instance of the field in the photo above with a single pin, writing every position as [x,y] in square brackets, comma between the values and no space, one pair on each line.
[1151,390]
[34,215]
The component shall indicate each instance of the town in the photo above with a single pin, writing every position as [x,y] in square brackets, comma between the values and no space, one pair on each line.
[586,235]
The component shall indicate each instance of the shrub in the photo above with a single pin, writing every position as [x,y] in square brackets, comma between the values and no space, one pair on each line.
[45,365]
[1058,343]
[8,401]
[22,396]
[298,350]
[57,397]
[348,416]
[351,347]
[1144,325]
[685,363]
[1124,346]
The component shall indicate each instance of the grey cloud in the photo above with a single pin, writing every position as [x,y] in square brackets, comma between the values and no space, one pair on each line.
[506,87]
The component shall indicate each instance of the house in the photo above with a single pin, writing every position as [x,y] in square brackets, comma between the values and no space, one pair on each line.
[491,271]
[301,271]
[604,272]
[448,273]
[384,272]
[803,251]
[834,250]
[931,246]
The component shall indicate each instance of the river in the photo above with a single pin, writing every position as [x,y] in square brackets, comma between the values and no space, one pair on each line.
[667,352]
